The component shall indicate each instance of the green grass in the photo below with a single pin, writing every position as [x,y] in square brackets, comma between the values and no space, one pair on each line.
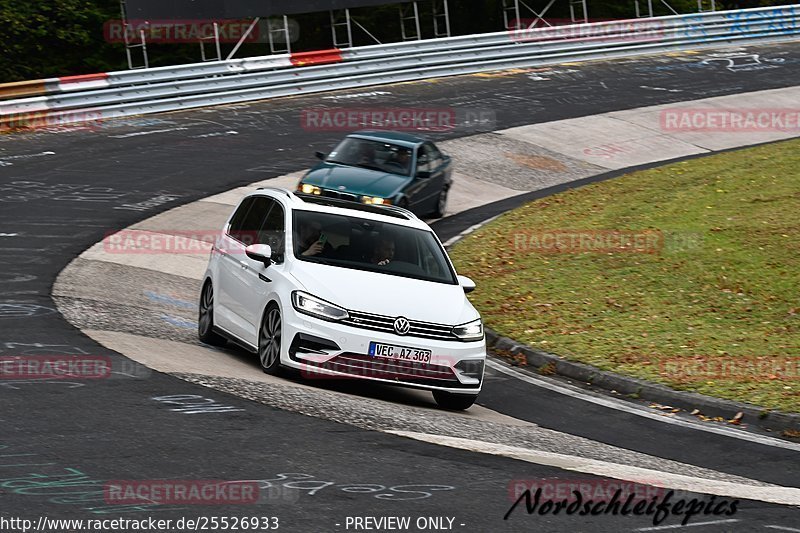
[724,286]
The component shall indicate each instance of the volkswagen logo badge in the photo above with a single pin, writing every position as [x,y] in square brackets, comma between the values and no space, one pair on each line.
[401,326]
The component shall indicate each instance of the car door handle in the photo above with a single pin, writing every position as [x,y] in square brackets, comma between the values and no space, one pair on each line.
[244,265]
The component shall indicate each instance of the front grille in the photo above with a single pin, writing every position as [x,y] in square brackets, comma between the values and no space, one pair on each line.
[340,195]
[424,330]
[365,366]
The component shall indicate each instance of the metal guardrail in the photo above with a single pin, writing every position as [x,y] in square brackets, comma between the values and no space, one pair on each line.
[126,93]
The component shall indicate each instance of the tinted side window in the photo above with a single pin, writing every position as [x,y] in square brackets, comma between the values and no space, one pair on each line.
[273,231]
[246,230]
[423,163]
[434,156]
[237,221]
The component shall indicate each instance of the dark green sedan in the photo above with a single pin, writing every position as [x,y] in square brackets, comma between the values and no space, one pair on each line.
[380,167]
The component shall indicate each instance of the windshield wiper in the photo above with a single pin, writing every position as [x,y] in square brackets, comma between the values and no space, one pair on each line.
[359,165]
[369,167]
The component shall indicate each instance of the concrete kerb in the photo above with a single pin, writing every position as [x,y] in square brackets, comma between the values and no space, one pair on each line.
[646,390]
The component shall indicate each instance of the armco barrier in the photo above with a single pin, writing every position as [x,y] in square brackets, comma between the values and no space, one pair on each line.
[118,94]
[22,88]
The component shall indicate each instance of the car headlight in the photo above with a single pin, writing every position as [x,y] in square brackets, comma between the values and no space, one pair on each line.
[311,305]
[307,188]
[471,331]
[375,200]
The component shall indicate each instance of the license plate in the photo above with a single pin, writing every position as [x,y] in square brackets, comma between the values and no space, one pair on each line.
[404,353]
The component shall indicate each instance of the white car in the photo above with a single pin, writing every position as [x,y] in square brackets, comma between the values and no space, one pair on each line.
[337,289]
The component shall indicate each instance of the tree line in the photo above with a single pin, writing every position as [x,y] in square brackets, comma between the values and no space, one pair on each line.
[50,38]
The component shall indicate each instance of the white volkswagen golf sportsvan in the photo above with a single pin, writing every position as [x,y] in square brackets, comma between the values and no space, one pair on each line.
[338,289]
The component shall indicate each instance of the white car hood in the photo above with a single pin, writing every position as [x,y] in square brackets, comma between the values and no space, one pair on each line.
[386,295]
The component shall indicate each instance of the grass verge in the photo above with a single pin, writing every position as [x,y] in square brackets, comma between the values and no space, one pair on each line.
[686,275]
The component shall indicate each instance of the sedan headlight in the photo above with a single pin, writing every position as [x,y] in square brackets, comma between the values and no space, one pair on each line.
[307,188]
[311,305]
[471,331]
[375,200]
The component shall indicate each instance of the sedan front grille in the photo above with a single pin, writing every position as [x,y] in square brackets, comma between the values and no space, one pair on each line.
[340,195]
[424,330]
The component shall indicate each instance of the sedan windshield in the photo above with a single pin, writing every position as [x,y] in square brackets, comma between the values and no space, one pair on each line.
[362,244]
[374,155]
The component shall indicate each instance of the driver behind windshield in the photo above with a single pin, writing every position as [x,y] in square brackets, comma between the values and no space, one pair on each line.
[366,154]
[401,161]
[383,253]
[311,241]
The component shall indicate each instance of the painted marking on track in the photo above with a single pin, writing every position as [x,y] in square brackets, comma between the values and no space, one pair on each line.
[37,348]
[12,277]
[619,405]
[25,156]
[661,89]
[9,234]
[299,481]
[74,488]
[169,300]
[783,528]
[676,526]
[10,384]
[23,310]
[215,134]
[140,133]
[758,491]
[179,322]
[4,159]
[191,404]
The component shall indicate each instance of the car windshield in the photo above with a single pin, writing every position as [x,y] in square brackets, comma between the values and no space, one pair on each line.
[375,246]
[374,155]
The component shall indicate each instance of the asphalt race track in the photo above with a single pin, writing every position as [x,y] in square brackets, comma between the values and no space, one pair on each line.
[61,442]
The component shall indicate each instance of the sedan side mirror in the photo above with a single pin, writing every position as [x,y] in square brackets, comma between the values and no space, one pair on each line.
[321,155]
[467,284]
[260,252]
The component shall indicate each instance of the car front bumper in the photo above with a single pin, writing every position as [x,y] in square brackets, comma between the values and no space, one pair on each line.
[330,350]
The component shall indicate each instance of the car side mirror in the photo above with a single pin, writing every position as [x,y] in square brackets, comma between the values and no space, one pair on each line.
[423,174]
[321,155]
[261,253]
[467,284]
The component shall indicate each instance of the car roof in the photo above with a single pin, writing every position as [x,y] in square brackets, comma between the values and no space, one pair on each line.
[409,140]
[387,214]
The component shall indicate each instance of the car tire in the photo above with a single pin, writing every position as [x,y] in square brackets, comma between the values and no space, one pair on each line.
[441,204]
[205,318]
[269,340]
[454,402]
